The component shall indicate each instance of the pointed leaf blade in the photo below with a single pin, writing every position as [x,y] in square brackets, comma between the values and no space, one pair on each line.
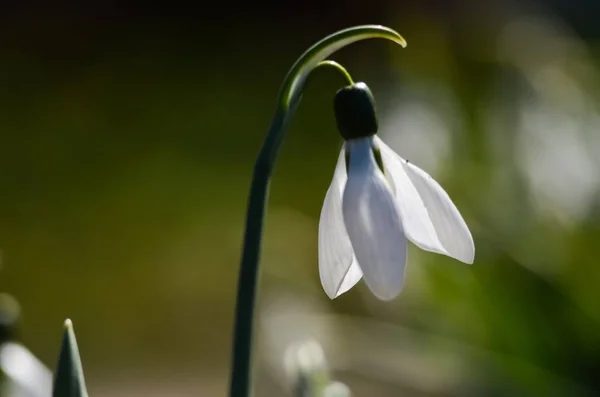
[68,378]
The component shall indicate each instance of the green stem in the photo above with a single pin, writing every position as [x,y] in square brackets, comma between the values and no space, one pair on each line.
[337,66]
[289,97]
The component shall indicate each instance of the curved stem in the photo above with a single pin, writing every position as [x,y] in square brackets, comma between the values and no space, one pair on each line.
[289,97]
[337,66]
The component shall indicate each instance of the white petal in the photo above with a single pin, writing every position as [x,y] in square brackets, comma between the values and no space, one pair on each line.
[353,276]
[336,269]
[430,218]
[415,218]
[451,228]
[373,223]
[28,375]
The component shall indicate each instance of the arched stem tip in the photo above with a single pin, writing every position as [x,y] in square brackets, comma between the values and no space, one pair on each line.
[294,81]
[339,67]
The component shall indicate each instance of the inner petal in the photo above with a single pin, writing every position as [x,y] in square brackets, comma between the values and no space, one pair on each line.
[373,223]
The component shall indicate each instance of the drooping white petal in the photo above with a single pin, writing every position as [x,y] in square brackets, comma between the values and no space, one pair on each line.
[415,218]
[373,223]
[452,230]
[430,218]
[336,269]
[353,276]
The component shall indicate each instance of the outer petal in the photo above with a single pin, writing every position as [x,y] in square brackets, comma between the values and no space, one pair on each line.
[451,228]
[372,219]
[337,267]
[430,218]
[353,276]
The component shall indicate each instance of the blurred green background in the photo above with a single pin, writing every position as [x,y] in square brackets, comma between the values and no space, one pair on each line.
[128,134]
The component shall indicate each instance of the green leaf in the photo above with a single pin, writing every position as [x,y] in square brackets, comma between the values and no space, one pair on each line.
[68,378]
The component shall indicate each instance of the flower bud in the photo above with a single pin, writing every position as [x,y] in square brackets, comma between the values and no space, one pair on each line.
[355,112]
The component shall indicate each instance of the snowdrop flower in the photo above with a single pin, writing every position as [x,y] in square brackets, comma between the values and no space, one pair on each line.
[377,200]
